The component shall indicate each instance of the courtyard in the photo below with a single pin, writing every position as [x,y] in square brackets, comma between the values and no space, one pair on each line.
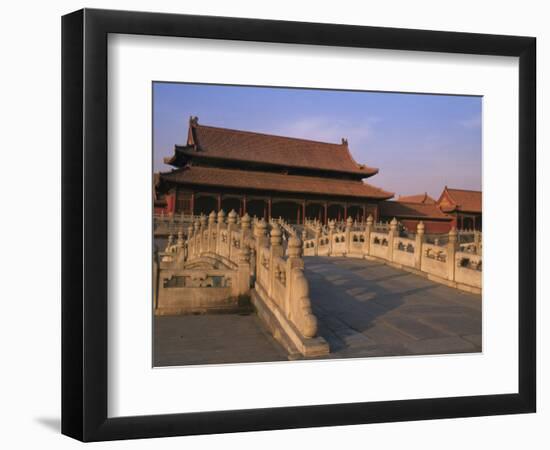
[364,308]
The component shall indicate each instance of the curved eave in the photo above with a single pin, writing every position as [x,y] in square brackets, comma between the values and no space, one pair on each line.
[366,172]
[267,181]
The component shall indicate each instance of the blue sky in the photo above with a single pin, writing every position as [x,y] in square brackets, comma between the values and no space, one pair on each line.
[419,142]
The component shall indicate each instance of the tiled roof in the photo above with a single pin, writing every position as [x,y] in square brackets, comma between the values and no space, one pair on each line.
[411,210]
[269,181]
[223,143]
[464,200]
[419,198]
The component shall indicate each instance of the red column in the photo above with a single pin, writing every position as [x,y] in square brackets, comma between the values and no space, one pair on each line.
[244,204]
[269,208]
[219,202]
[345,211]
[304,212]
[364,213]
[192,203]
[326,213]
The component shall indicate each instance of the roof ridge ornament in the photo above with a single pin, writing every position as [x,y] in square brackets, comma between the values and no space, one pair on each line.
[193,120]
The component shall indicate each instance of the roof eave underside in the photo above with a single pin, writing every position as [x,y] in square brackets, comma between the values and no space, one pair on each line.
[186,151]
[382,195]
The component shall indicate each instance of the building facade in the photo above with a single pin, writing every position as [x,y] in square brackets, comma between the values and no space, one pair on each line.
[464,206]
[409,214]
[459,208]
[266,176]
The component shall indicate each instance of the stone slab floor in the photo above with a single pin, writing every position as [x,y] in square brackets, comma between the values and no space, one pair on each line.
[213,339]
[364,308]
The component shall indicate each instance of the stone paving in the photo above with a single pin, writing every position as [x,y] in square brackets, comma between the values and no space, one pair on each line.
[367,308]
[213,339]
[364,308]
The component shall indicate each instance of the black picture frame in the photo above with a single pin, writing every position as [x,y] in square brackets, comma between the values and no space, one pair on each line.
[84,224]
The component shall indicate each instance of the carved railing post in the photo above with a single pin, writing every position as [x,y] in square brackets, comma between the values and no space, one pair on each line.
[451,251]
[391,238]
[260,239]
[169,243]
[368,230]
[202,222]
[276,250]
[331,226]
[477,242]
[243,270]
[347,234]
[260,228]
[419,241]
[317,238]
[231,220]
[247,240]
[219,226]
[180,247]
[211,232]
[190,243]
[197,232]
[297,302]
[245,225]
[231,227]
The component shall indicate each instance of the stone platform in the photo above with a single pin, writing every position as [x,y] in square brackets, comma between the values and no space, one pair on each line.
[364,308]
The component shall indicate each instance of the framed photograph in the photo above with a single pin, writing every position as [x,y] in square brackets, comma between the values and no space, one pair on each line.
[273,224]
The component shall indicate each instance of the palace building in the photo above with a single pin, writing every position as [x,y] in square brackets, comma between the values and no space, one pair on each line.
[266,176]
[463,205]
[459,208]
[410,213]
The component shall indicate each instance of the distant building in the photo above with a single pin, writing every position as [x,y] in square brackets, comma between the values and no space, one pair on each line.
[410,214]
[266,176]
[275,176]
[458,208]
[464,206]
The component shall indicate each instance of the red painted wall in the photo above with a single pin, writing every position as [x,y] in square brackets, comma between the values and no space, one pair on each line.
[170,205]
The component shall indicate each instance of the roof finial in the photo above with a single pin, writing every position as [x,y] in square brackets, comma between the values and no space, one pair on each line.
[344,141]
[193,120]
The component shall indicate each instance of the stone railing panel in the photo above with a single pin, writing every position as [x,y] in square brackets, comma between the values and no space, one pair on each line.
[468,269]
[403,252]
[324,246]
[310,247]
[379,245]
[434,260]
[339,245]
[433,255]
[356,242]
